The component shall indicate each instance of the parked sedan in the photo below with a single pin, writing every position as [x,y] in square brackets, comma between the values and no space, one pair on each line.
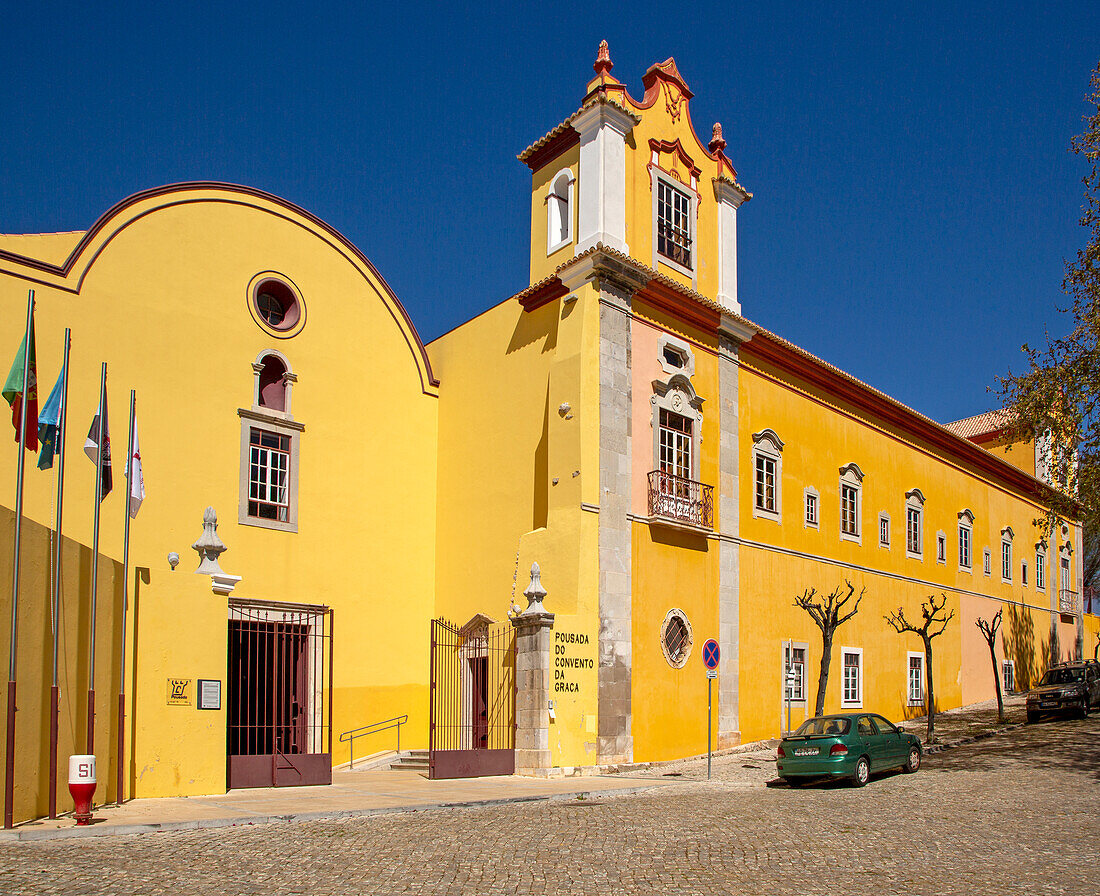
[1068,688]
[848,745]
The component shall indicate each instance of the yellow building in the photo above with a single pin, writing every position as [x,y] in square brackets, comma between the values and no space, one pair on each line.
[677,472]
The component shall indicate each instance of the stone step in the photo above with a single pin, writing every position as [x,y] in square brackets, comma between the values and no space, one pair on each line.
[411,760]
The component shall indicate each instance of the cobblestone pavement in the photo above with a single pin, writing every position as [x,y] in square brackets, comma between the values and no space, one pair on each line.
[1015,813]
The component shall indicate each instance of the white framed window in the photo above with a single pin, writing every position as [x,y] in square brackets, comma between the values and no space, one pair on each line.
[1066,596]
[1040,567]
[914,524]
[268,475]
[1008,676]
[675,356]
[812,503]
[1023,573]
[674,221]
[941,547]
[559,211]
[851,689]
[915,688]
[794,671]
[851,502]
[966,537]
[987,562]
[767,464]
[1006,553]
[884,530]
[674,442]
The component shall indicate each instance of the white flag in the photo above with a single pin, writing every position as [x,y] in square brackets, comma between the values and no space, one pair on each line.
[133,474]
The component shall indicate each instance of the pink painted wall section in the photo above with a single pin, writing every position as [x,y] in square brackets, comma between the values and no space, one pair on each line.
[645,368]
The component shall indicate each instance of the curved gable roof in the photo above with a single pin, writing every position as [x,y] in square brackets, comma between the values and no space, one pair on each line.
[69,275]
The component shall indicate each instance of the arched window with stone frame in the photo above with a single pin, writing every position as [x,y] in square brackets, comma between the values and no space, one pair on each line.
[268,480]
[559,211]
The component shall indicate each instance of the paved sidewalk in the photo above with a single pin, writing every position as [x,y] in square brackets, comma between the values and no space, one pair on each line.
[352,793]
[375,791]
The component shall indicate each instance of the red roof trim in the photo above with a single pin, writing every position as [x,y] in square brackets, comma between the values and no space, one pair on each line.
[866,400]
[554,147]
[544,293]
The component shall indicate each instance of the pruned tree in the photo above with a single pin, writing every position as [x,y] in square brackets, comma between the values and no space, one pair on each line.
[935,619]
[989,632]
[828,613]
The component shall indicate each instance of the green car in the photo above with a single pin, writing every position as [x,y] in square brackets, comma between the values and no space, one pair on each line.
[847,745]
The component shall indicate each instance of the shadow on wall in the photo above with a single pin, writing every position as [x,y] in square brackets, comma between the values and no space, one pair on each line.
[907,713]
[1032,656]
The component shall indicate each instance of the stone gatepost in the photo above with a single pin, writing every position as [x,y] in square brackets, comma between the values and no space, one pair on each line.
[533,628]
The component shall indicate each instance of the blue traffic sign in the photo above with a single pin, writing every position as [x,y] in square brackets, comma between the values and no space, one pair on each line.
[711,653]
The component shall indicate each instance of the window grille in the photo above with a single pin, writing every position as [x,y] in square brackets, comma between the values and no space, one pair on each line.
[673,224]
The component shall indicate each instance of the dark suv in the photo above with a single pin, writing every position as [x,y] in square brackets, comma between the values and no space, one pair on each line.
[1066,688]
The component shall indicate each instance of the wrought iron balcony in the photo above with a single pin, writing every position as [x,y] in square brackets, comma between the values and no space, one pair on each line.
[1067,602]
[681,500]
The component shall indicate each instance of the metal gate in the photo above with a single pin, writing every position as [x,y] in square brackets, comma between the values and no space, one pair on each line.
[473,699]
[279,695]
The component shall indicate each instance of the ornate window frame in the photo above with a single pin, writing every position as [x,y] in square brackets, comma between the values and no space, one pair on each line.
[966,525]
[1006,554]
[914,501]
[677,396]
[677,662]
[767,444]
[851,476]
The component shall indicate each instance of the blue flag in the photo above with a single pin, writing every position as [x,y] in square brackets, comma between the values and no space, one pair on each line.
[49,422]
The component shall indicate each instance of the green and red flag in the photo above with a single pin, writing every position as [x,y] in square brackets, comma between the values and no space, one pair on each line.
[13,392]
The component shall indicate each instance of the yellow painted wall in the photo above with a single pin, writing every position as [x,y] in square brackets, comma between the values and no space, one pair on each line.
[542,264]
[160,294]
[34,663]
[514,470]
[820,436]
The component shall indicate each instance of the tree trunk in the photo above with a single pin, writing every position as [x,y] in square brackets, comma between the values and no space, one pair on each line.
[931,692]
[823,675]
[997,682]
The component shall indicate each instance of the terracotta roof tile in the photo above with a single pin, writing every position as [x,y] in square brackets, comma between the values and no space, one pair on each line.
[980,424]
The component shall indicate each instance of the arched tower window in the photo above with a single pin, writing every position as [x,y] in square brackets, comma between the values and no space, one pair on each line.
[559,211]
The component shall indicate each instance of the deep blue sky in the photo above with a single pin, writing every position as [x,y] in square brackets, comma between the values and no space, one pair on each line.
[914,194]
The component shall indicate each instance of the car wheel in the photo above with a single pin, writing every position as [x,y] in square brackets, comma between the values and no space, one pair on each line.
[913,762]
[862,773]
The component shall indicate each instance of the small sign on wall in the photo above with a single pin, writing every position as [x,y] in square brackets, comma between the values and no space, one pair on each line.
[210,693]
[179,692]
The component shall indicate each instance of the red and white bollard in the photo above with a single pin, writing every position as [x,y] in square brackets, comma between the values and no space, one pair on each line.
[82,786]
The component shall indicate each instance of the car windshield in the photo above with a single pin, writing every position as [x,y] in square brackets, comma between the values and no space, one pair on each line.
[1063,676]
[823,727]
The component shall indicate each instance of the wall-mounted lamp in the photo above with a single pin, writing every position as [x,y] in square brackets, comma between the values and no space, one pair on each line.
[173,560]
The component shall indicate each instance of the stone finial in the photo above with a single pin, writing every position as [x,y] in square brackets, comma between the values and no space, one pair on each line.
[603,63]
[209,546]
[534,593]
[716,144]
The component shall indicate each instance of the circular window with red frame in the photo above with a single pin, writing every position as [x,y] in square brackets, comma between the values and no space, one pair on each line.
[276,305]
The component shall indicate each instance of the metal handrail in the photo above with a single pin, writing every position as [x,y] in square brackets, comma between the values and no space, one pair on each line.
[373,728]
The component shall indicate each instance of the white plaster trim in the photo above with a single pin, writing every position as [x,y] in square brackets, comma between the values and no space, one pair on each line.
[852,476]
[923,674]
[941,538]
[807,492]
[590,508]
[914,500]
[1006,542]
[570,208]
[858,702]
[601,206]
[768,445]
[884,517]
[666,340]
[987,562]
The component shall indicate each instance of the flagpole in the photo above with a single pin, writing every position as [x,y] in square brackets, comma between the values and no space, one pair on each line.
[9,751]
[95,556]
[125,599]
[55,692]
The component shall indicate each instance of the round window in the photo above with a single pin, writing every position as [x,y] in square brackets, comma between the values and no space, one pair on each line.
[276,305]
[676,638]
